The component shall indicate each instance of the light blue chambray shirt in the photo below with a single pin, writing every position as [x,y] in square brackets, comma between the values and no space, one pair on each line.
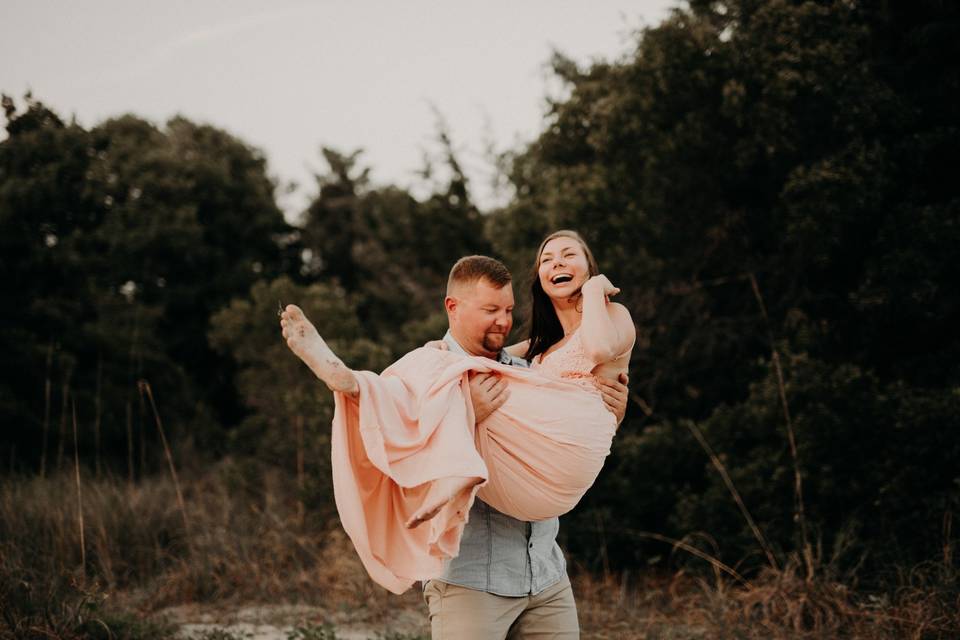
[502,555]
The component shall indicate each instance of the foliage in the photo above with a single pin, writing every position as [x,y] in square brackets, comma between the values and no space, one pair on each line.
[124,238]
[311,631]
[761,175]
[68,610]
[219,633]
[390,250]
[768,181]
[253,551]
[286,401]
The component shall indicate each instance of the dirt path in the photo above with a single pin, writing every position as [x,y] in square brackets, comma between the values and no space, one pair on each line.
[278,622]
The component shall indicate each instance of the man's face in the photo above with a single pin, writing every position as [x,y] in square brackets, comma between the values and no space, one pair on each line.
[481,316]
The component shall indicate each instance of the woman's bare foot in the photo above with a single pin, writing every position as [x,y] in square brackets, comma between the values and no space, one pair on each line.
[442,491]
[306,343]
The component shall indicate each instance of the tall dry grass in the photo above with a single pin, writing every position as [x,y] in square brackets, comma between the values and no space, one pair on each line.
[247,546]
[778,604]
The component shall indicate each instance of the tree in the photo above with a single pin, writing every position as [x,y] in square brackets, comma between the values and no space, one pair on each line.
[799,146]
[392,251]
[290,410]
[124,239]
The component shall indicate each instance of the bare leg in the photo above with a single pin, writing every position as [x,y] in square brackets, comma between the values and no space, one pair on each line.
[304,340]
[441,492]
[306,343]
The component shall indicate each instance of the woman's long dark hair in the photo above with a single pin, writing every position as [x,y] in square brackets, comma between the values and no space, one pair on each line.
[545,327]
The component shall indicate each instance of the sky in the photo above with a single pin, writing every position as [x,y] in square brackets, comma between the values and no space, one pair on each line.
[288,77]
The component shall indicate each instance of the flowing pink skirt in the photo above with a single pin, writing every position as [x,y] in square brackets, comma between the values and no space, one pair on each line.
[413,424]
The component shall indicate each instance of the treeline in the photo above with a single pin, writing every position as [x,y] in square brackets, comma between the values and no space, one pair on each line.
[769,182]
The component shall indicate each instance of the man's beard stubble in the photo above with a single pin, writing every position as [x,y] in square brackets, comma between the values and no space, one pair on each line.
[493,342]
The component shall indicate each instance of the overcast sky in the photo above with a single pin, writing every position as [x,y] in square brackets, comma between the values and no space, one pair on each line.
[290,76]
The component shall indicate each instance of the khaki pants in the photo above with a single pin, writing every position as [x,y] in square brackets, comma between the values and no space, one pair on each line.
[458,613]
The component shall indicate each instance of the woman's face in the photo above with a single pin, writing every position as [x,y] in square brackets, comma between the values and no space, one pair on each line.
[562,267]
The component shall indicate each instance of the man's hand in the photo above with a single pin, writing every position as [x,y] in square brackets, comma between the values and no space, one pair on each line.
[488,392]
[614,394]
[437,344]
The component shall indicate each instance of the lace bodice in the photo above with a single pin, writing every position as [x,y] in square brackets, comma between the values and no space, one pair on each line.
[568,361]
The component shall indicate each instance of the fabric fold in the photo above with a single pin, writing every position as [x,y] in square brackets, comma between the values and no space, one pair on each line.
[413,424]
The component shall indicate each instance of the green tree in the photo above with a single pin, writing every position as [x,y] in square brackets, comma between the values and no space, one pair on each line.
[801,146]
[123,240]
[389,249]
[289,408]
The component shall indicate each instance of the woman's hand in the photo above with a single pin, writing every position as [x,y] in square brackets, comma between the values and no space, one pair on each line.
[599,285]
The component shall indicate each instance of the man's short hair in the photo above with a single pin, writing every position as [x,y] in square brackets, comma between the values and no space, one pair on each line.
[470,269]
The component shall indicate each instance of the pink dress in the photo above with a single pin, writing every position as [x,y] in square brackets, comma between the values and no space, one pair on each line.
[538,454]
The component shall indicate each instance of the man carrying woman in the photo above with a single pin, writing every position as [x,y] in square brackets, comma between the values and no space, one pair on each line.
[399,442]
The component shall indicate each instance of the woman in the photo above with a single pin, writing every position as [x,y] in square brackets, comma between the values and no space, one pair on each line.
[572,314]
[405,448]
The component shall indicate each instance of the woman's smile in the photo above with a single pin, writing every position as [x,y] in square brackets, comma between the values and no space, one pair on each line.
[563,267]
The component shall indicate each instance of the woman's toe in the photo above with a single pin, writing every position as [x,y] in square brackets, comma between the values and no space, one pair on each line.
[295,312]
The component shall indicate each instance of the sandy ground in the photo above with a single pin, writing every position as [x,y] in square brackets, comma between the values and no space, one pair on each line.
[275,622]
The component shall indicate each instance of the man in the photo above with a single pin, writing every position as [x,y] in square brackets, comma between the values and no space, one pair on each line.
[509,579]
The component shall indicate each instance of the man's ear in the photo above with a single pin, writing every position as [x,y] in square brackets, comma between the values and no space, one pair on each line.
[450,304]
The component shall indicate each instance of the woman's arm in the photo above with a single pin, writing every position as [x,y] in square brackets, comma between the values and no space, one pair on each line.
[607,330]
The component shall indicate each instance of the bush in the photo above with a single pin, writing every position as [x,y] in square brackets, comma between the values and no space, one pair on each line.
[877,461]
